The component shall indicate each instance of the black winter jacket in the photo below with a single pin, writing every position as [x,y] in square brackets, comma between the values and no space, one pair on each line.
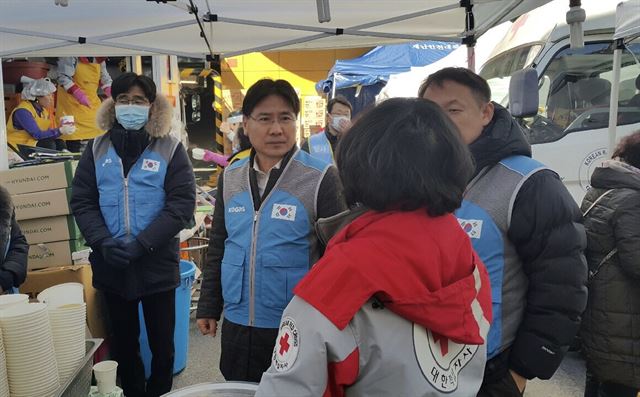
[158,269]
[611,325]
[13,267]
[546,232]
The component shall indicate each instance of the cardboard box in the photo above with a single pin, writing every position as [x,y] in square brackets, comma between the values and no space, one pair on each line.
[53,254]
[53,228]
[39,280]
[38,178]
[42,204]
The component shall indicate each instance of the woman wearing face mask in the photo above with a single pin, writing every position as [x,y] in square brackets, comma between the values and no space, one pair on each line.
[30,122]
[133,192]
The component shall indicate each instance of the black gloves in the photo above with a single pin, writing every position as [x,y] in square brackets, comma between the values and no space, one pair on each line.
[135,249]
[115,253]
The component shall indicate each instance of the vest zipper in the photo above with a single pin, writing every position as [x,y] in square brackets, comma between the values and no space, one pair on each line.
[127,222]
[254,238]
[252,269]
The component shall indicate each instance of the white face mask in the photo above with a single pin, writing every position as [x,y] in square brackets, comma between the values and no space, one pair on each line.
[335,122]
[231,136]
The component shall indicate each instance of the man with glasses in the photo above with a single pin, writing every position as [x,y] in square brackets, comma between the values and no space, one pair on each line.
[323,144]
[263,240]
[133,191]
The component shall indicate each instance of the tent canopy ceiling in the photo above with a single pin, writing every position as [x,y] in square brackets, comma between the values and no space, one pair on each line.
[142,27]
[628,19]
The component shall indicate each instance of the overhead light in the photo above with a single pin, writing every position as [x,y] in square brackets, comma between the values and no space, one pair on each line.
[324,14]
[62,3]
[575,17]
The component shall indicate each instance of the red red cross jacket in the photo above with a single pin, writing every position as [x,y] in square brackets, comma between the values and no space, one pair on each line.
[399,305]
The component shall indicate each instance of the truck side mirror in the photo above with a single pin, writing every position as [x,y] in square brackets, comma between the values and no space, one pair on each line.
[523,93]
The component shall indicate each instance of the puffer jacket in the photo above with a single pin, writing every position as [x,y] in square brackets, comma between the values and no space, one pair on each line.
[13,246]
[611,324]
[157,270]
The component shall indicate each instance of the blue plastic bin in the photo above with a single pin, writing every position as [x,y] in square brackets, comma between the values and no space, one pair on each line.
[181,332]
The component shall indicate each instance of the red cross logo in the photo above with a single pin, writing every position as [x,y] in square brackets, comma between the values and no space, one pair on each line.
[284,344]
[444,343]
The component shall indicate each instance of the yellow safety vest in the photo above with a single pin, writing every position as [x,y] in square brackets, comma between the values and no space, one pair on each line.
[16,136]
[87,77]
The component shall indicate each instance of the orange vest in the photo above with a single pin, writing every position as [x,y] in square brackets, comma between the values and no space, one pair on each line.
[16,136]
[87,77]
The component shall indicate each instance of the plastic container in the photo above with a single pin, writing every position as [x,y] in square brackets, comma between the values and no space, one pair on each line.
[10,300]
[62,294]
[226,389]
[181,332]
[12,71]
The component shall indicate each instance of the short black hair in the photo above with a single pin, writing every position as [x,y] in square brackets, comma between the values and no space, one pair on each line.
[341,100]
[404,154]
[267,87]
[123,83]
[628,150]
[464,76]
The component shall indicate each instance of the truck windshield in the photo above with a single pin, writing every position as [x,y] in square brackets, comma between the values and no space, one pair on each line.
[575,91]
[498,70]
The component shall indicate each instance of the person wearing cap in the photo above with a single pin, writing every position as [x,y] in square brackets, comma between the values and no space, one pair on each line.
[323,144]
[80,78]
[31,123]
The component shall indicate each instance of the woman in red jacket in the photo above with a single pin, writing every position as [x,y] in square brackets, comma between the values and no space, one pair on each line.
[400,303]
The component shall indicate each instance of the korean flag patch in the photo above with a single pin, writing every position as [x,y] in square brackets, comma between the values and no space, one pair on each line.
[284,212]
[473,227]
[150,165]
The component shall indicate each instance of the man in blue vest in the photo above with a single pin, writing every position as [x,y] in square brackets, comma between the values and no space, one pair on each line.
[526,228]
[323,144]
[263,239]
[133,191]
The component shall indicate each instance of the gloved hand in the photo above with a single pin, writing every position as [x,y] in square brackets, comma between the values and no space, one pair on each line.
[135,249]
[67,129]
[107,91]
[115,254]
[211,157]
[80,96]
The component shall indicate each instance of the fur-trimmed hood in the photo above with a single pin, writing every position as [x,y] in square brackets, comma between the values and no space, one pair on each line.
[160,116]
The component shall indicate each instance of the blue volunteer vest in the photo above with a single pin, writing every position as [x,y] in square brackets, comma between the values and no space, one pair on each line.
[320,147]
[268,251]
[485,215]
[130,204]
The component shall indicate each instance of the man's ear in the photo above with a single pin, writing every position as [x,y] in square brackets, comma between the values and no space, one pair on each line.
[487,113]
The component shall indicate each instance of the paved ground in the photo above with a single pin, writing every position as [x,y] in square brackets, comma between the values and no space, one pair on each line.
[204,355]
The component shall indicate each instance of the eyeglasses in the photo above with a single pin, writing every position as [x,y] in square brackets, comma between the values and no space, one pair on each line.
[266,120]
[136,100]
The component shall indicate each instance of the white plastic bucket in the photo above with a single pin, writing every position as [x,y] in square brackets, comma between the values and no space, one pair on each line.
[62,294]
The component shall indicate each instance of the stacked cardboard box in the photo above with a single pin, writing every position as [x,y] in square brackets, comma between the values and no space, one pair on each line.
[41,198]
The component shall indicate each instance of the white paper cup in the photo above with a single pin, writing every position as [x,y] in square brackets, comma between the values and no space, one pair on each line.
[105,372]
[67,120]
[197,153]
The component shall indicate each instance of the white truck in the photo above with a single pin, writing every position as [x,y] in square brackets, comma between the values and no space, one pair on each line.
[570,132]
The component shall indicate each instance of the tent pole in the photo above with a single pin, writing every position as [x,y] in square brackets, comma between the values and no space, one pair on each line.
[4,157]
[615,90]
[333,86]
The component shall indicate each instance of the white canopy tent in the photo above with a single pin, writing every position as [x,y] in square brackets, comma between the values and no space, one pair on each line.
[233,27]
[627,29]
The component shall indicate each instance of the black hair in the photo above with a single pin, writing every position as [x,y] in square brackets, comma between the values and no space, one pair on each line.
[464,76]
[267,87]
[245,143]
[341,100]
[628,149]
[404,154]
[123,83]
